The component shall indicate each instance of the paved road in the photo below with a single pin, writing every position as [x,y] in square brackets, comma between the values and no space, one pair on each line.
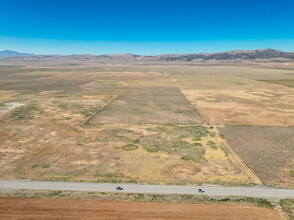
[254,191]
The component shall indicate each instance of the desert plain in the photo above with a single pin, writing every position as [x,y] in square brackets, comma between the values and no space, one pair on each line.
[229,124]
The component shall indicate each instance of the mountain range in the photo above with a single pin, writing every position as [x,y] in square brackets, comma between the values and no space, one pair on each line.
[230,55]
[10,53]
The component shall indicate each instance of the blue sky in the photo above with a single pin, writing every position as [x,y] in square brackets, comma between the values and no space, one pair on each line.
[145,26]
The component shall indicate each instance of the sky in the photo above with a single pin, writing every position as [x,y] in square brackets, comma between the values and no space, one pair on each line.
[146,27]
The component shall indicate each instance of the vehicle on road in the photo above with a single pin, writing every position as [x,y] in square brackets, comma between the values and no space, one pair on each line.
[119,188]
[201,191]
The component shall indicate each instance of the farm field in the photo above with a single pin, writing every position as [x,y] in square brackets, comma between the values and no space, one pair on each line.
[239,95]
[107,125]
[115,109]
[11,208]
[145,123]
[267,150]
[111,153]
[261,97]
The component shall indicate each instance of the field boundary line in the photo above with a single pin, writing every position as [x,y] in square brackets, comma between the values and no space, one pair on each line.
[245,167]
[183,94]
[99,110]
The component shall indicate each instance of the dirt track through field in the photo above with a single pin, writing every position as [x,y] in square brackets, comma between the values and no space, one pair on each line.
[12,208]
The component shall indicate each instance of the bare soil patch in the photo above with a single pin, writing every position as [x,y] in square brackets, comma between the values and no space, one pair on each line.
[6,107]
[85,209]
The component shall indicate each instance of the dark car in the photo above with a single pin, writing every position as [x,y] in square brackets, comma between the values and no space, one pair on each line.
[201,191]
[119,188]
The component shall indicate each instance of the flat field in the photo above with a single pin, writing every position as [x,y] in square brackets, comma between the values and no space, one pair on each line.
[144,123]
[267,150]
[11,208]
[239,95]
[260,96]
[107,124]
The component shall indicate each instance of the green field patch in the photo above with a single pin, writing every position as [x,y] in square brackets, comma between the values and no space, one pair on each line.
[26,112]
[197,144]
[169,138]
[130,147]
[282,82]
[288,206]
[214,147]
[210,143]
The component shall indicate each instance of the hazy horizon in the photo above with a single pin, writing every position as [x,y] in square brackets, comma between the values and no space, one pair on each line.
[68,54]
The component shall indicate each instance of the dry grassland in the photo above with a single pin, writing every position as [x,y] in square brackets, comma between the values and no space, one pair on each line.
[142,129]
[239,95]
[253,96]
[150,153]
[137,124]
[268,151]
[288,207]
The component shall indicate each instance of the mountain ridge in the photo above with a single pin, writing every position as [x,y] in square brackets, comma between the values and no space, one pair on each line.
[228,55]
[10,53]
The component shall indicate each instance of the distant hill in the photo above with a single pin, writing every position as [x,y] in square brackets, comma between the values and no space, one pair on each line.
[9,53]
[230,55]
[236,55]
[251,54]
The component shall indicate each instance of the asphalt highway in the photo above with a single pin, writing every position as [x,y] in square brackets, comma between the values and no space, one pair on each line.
[259,191]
